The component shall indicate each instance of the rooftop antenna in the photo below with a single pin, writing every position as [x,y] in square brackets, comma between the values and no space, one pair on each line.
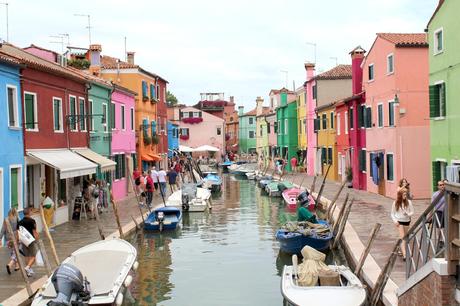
[7,31]
[314,45]
[61,41]
[89,24]
[126,53]
[286,74]
[66,35]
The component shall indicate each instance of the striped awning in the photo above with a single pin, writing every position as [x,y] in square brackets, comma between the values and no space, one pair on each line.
[105,163]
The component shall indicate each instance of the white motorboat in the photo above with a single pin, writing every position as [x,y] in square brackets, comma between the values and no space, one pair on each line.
[196,203]
[98,273]
[350,292]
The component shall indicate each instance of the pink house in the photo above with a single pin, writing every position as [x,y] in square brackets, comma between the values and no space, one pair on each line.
[396,114]
[310,92]
[123,139]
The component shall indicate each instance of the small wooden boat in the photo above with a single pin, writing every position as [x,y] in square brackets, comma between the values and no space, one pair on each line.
[290,196]
[102,271]
[163,218]
[213,182]
[274,189]
[196,201]
[317,236]
[263,183]
[350,292]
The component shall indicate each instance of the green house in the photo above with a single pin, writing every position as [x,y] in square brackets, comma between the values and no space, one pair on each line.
[286,116]
[444,59]
[247,131]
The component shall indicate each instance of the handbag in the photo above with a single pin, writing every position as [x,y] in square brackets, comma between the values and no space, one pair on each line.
[25,237]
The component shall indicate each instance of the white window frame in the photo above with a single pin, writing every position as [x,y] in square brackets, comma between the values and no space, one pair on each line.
[85,121]
[338,124]
[346,123]
[61,122]
[76,113]
[15,107]
[440,106]
[20,186]
[249,135]
[373,72]
[249,121]
[131,117]
[106,124]
[123,117]
[386,170]
[114,128]
[388,64]
[435,42]
[286,129]
[91,109]
[380,106]
[35,129]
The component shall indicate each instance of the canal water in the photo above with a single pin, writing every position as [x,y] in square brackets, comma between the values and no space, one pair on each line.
[228,256]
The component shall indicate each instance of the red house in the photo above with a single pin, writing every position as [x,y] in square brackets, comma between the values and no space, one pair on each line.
[162,119]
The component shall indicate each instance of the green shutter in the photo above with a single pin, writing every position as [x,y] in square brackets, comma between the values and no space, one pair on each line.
[390,175]
[368,117]
[152,91]
[14,188]
[329,156]
[30,111]
[436,172]
[371,157]
[391,114]
[442,100]
[362,116]
[323,155]
[144,89]
[434,101]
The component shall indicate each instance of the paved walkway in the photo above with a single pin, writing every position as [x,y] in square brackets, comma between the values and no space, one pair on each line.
[68,237]
[367,210]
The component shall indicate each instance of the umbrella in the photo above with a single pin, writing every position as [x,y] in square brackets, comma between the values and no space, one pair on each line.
[206,148]
[185,149]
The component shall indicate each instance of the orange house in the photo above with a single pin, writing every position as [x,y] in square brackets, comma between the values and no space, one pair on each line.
[151,91]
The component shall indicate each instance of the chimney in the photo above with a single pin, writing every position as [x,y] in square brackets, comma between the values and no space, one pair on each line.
[232,99]
[130,57]
[357,57]
[240,110]
[283,96]
[259,106]
[310,68]
[95,59]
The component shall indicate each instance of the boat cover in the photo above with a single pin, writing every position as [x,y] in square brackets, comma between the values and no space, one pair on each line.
[311,266]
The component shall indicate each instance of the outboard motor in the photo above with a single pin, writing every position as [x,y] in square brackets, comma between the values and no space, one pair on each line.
[67,279]
[185,202]
[160,219]
[303,198]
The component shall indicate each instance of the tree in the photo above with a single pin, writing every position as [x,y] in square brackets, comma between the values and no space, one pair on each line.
[171,99]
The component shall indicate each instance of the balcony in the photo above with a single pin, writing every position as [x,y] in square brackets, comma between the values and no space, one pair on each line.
[192,120]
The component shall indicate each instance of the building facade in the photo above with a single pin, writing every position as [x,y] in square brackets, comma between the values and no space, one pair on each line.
[286,115]
[310,95]
[302,123]
[247,131]
[327,150]
[173,138]
[231,131]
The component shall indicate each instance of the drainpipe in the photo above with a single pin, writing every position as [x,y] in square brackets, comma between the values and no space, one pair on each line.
[88,86]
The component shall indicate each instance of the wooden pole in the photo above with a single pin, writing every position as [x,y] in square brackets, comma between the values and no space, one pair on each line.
[99,225]
[339,217]
[135,222]
[115,211]
[366,251]
[42,249]
[384,276]
[18,257]
[343,222]
[137,195]
[312,188]
[48,235]
[335,198]
[320,192]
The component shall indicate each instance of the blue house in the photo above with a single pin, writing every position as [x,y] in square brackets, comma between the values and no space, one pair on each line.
[173,138]
[12,145]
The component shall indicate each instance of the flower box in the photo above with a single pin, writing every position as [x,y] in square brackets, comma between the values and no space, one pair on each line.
[184,137]
[192,120]
[145,99]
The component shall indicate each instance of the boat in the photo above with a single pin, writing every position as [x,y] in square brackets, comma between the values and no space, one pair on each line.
[101,269]
[329,285]
[225,165]
[251,175]
[274,189]
[295,235]
[195,199]
[263,183]
[290,196]
[213,182]
[163,218]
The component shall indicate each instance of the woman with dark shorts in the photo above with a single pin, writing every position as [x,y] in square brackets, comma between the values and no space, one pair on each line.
[401,213]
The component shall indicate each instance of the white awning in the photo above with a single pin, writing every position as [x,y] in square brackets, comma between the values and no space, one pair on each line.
[185,149]
[105,163]
[205,148]
[68,163]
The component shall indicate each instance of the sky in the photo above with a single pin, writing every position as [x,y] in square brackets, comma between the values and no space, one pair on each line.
[243,48]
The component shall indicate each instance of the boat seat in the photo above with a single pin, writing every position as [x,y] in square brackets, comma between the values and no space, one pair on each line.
[329,278]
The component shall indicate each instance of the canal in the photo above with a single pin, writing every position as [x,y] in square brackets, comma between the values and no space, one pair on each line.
[228,256]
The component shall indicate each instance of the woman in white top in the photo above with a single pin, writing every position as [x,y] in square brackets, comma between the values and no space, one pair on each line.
[401,213]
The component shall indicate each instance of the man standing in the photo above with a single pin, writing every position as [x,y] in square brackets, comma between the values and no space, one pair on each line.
[172,177]
[154,176]
[149,188]
[29,251]
[162,180]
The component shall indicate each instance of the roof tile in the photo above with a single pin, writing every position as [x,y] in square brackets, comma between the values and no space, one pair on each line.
[405,39]
[336,73]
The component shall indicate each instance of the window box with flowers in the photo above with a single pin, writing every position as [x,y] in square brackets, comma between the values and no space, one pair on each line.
[155,139]
[153,100]
[147,140]
[192,120]
[145,99]
[184,137]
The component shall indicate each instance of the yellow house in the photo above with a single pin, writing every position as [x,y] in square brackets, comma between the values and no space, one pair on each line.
[302,120]
[261,128]
[325,129]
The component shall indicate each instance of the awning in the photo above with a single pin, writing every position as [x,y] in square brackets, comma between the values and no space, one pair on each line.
[205,148]
[68,163]
[146,157]
[155,157]
[105,163]
[185,149]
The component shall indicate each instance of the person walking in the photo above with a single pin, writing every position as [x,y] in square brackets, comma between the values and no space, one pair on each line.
[172,178]
[439,210]
[294,164]
[401,213]
[148,188]
[162,181]
[29,251]
[13,219]
[154,176]
[404,184]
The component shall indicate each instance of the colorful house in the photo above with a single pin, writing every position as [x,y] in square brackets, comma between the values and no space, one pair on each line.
[302,123]
[443,39]
[272,133]
[247,130]
[286,115]
[12,150]
[231,131]
[173,138]
[395,113]
[215,104]
[331,86]
[310,93]
[342,141]
[261,128]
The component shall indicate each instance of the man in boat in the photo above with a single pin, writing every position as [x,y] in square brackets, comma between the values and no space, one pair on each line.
[303,214]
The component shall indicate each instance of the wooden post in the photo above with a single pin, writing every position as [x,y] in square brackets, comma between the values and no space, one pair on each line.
[339,217]
[42,249]
[384,276]
[320,192]
[335,198]
[115,211]
[135,222]
[137,195]
[48,235]
[366,251]
[18,257]
[343,222]
[312,188]
[99,225]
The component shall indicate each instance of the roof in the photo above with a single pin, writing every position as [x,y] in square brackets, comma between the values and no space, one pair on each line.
[9,59]
[108,62]
[250,113]
[337,73]
[40,48]
[325,107]
[405,39]
[91,78]
[440,3]
[37,62]
[277,91]
[265,111]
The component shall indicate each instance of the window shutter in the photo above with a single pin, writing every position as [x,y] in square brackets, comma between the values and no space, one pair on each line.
[323,155]
[145,127]
[362,116]
[434,101]
[442,100]
[368,117]
[152,91]
[371,158]
[329,155]
[30,116]
[144,89]
[436,169]
[200,114]
[154,128]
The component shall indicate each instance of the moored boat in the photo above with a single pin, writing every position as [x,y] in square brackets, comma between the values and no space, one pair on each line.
[96,274]
[295,235]
[213,182]
[163,218]
[290,196]
[190,198]
[275,188]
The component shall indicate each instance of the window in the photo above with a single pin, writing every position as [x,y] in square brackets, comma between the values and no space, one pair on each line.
[123,124]
[323,155]
[30,110]
[120,168]
[338,124]
[11,96]
[184,131]
[368,117]
[268,127]
[91,112]
[391,114]
[73,112]
[390,170]
[345,128]
[132,119]
[286,127]
[380,115]
[275,127]
[329,156]
[316,124]
[439,172]
[164,93]
[351,121]
[251,134]
[152,92]
[261,130]
[362,116]
[219,131]
[112,116]
[144,90]
[251,120]
[16,187]
[332,121]
[324,121]
[362,160]
[57,114]
[390,64]
[104,117]
[438,100]
[158,92]
[438,41]
[314,91]
[82,108]
[370,71]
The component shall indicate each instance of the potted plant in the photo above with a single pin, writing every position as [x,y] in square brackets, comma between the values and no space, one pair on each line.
[153,100]
[147,140]
[155,139]
[145,99]
[349,176]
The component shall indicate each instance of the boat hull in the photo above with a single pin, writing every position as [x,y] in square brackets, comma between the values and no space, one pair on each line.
[172,217]
[293,242]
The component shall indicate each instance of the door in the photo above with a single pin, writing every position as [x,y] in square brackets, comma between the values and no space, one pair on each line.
[382,174]
[14,196]
[342,167]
